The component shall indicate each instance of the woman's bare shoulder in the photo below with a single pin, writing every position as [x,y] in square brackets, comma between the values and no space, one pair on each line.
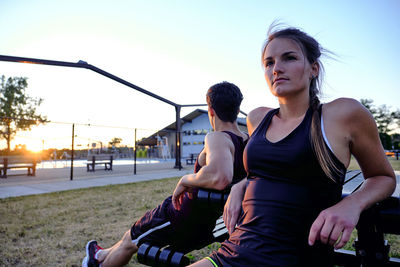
[344,107]
[255,117]
[347,111]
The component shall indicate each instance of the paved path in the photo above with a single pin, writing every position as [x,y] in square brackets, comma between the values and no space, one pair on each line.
[58,179]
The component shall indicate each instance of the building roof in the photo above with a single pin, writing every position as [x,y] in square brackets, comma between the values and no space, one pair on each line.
[152,140]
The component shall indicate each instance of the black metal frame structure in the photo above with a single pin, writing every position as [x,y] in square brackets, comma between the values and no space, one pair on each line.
[85,65]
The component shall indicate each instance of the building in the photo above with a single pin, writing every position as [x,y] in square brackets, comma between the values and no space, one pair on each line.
[194,128]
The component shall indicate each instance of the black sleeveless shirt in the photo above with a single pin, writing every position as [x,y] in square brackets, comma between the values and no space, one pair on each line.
[286,191]
[201,217]
[290,159]
[239,171]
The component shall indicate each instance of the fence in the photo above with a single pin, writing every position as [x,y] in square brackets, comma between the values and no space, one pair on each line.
[63,145]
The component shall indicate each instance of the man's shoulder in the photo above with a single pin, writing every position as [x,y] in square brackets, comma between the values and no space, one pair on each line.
[218,139]
[217,135]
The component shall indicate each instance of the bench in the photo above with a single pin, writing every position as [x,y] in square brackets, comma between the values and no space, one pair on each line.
[393,153]
[17,162]
[99,159]
[191,159]
[371,249]
[152,255]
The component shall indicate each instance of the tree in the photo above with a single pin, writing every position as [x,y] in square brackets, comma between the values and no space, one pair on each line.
[386,120]
[17,109]
[116,141]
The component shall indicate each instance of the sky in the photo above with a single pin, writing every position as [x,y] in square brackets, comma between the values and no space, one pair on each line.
[178,49]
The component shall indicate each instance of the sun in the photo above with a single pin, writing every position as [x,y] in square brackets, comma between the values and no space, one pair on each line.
[34,147]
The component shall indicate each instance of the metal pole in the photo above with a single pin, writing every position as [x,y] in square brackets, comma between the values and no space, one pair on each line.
[134,154]
[83,64]
[72,153]
[178,164]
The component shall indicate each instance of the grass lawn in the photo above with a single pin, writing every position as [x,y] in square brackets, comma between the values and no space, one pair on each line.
[393,240]
[52,229]
[395,164]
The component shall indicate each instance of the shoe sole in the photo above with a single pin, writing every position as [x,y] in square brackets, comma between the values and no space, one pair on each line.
[85,260]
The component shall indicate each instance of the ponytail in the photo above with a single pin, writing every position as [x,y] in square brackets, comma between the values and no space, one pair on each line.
[330,168]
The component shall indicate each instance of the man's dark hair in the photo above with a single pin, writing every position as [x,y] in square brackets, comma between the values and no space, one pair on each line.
[225,99]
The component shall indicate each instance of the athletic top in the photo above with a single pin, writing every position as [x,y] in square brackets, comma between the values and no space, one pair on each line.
[201,214]
[190,227]
[291,159]
[194,222]
[286,191]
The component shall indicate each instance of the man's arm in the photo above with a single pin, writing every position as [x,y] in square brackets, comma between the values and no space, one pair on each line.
[218,171]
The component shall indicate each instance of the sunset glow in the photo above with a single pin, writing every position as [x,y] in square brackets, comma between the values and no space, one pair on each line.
[178,52]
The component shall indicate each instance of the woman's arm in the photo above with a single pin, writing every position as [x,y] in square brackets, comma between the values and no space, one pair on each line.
[335,224]
[233,205]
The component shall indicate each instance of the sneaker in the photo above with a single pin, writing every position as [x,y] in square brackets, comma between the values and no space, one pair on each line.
[91,249]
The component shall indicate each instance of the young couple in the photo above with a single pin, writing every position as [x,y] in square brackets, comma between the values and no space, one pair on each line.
[288,211]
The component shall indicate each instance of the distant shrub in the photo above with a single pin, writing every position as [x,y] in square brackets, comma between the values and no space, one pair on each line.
[141,153]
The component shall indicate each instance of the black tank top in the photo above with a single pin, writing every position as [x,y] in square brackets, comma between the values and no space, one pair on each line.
[239,171]
[192,213]
[286,191]
[291,159]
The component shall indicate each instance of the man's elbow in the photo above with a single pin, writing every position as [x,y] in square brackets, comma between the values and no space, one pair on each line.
[393,185]
[222,181]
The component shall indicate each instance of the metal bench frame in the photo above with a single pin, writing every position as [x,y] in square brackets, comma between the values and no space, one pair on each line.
[192,159]
[99,159]
[17,162]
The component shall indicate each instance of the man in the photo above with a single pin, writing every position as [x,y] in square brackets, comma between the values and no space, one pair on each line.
[178,220]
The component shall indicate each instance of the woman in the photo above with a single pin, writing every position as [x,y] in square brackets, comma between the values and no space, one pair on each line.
[296,161]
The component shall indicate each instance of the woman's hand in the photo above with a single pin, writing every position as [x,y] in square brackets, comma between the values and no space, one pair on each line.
[233,206]
[334,225]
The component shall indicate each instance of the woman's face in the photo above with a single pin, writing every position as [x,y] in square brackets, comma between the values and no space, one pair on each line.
[287,71]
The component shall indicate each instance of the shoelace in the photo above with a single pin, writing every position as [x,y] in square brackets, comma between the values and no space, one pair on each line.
[97,249]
